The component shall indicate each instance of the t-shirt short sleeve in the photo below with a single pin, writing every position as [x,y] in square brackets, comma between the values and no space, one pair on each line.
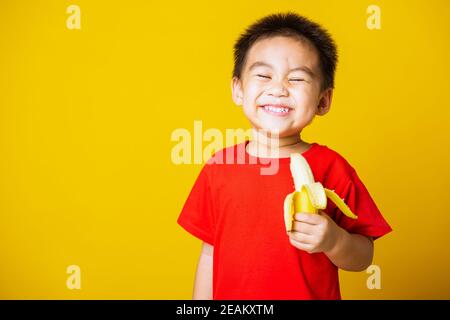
[197,215]
[370,221]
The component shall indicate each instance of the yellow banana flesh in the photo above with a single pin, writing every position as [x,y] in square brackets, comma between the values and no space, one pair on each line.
[309,196]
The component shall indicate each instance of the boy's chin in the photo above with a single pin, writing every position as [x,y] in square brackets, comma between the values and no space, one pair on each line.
[274,131]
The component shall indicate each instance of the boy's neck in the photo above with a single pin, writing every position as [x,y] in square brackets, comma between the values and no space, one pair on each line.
[267,146]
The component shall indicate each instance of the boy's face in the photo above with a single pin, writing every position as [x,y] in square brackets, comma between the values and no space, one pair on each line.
[280,85]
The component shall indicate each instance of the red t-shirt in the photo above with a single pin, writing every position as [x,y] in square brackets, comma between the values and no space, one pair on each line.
[239,211]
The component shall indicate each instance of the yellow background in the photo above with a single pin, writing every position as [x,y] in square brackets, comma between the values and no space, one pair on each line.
[86,117]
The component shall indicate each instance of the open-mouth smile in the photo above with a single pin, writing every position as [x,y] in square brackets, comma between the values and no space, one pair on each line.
[275,109]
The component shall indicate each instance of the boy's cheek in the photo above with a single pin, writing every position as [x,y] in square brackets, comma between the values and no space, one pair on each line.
[253,90]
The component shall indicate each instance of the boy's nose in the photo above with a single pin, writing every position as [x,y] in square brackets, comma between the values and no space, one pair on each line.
[278,89]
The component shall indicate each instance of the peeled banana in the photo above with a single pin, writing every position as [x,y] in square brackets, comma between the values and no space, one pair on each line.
[309,196]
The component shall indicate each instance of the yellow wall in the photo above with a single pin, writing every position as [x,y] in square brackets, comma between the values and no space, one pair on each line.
[86,117]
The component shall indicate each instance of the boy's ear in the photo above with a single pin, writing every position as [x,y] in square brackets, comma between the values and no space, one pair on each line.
[325,102]
[236,91]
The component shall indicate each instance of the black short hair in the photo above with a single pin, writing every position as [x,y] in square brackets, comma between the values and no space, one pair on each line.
[292,25]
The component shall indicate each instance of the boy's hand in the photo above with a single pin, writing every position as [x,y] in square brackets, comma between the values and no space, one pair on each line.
[314,232]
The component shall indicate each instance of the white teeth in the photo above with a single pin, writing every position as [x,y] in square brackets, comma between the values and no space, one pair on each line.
[276,109]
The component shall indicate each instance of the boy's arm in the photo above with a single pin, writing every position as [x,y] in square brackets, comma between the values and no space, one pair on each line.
[203,277]
[352,252]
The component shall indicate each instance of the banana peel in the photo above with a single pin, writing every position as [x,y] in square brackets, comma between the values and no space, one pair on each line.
[309,196]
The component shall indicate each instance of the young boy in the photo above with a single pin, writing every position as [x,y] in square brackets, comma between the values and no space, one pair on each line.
[283,76]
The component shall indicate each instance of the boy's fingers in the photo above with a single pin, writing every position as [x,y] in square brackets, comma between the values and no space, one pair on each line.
[300,245]
[310,218]
[300,237]
[302,227]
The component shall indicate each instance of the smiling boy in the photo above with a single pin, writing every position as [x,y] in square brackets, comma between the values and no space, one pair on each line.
[283,77]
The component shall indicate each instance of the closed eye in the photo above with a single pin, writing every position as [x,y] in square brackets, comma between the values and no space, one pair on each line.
[297,80]
[262,76]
